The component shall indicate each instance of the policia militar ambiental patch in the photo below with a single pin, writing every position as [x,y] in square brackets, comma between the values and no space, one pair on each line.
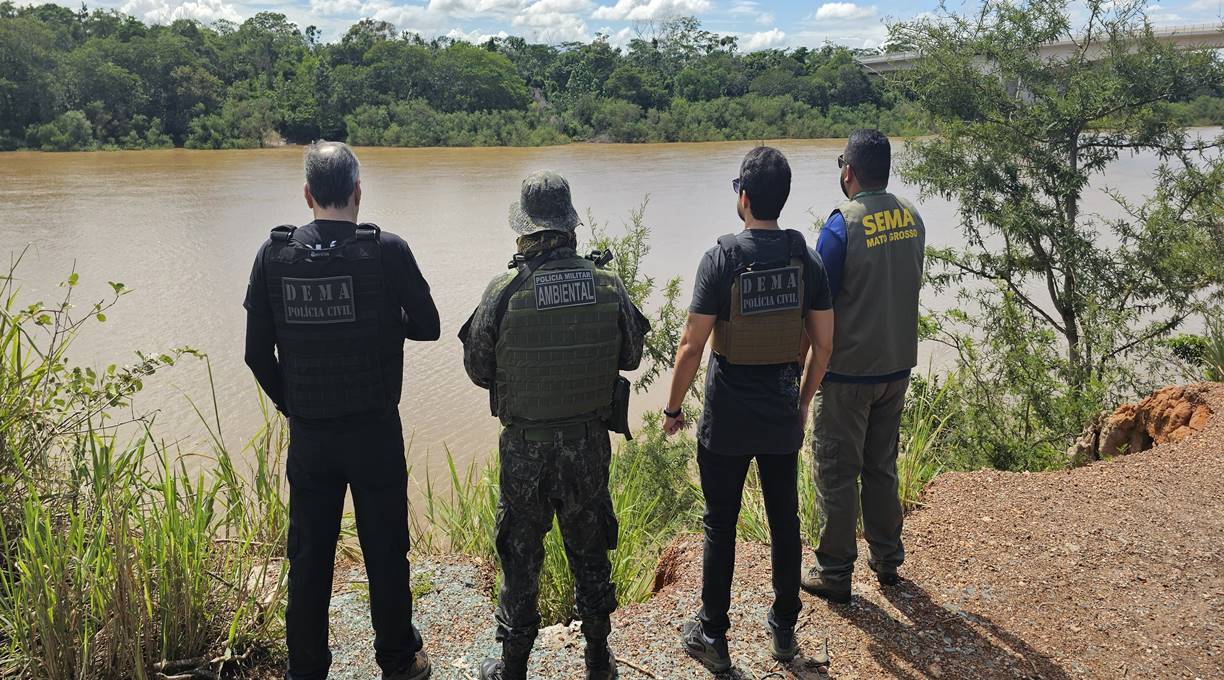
[564,288]
[770,290]
[319,301]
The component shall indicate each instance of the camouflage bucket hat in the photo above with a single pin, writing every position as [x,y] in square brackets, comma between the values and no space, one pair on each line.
[544,205]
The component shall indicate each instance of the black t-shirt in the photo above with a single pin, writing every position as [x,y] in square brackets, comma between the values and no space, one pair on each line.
[752,410]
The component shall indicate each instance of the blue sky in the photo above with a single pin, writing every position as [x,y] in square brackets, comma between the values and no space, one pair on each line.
[759,23]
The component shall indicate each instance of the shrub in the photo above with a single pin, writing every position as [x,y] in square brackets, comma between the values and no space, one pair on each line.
[70,131]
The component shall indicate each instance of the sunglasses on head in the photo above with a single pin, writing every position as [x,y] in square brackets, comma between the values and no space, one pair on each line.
[735,185]
[841,161]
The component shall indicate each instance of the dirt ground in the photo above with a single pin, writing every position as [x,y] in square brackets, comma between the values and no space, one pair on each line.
[1113,570]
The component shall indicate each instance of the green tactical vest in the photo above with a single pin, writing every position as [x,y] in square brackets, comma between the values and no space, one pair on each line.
[875,328]
[764,322]
[558,347]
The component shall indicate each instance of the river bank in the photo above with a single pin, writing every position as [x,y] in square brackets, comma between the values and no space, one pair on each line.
[1104,571]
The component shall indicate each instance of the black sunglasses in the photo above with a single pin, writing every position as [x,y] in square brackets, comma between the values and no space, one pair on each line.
[841,161]
[735,185]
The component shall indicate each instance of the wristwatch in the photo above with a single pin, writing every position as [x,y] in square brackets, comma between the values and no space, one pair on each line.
[673,414]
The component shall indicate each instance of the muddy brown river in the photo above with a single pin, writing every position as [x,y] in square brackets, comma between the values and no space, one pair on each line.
[180,228]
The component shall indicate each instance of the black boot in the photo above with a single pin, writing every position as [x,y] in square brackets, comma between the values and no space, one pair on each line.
[512,665]
[600,663]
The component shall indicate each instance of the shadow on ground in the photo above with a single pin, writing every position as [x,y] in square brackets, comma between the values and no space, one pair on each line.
[932,640]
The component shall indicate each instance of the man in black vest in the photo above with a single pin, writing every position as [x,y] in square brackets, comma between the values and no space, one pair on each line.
[872,246]
[760,292]
[329,306]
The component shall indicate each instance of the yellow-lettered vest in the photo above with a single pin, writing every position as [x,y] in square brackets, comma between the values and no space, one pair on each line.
[875,312]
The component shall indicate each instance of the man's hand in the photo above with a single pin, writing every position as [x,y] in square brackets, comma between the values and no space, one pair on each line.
[673,425]
[805,411]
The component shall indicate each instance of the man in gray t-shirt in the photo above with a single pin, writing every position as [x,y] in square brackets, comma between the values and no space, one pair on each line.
[872,247]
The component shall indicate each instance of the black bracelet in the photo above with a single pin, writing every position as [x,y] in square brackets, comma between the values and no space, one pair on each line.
[673,414]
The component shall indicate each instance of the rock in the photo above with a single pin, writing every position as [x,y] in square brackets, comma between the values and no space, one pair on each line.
[1168,415]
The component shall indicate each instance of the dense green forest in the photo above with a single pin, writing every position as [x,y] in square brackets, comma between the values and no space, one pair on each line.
[84,79]
[81,79]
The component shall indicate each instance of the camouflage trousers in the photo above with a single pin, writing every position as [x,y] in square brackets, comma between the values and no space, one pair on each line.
[562,471]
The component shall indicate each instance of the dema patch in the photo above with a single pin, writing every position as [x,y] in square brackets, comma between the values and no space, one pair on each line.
[771,290]
[319,301]
[555,289]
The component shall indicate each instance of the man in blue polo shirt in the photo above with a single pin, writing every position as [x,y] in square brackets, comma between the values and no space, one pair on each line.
[872,248]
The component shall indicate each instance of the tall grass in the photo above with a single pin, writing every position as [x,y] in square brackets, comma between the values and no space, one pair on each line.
[651,508]
[118,560]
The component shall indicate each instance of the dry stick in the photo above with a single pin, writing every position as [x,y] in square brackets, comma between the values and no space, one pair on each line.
[638,668]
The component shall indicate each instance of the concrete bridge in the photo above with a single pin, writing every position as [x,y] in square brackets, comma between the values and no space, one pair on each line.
[1197,36]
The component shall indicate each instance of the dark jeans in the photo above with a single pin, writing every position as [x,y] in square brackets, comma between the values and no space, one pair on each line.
[366,454]
[722,484]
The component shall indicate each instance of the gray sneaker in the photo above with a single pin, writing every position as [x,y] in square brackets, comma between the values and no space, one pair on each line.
[816,584]
[711,652]
[782,644]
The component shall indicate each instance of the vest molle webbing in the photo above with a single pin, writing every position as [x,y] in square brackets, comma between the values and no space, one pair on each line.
[558,346]
[334,342]
[764,323]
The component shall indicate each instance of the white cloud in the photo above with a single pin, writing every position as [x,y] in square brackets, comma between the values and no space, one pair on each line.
[843,11]
[764,40]
[163,12]
[646,10]
[473,7]
[558,7]
[474,37]
[619,38]
[751,9]
[869,37]
[330,8]
[552,28]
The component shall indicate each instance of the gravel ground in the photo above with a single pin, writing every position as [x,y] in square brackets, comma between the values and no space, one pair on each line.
[1113,570]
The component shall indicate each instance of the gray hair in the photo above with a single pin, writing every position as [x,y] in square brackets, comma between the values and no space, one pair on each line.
[332,172]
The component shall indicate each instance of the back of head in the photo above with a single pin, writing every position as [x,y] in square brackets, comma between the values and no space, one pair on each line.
[332,172]
[765,175]
[870,156]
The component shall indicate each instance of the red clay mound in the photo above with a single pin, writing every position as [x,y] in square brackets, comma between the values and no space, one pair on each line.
[1168,415]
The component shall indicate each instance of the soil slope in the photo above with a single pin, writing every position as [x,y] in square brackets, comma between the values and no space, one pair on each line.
[1107,571]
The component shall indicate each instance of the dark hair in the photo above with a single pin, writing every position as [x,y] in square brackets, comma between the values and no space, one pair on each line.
[870,154]
[765,176]
[331,173]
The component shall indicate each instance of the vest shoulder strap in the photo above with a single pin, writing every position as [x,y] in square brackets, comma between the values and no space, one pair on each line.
[526,269]
[368,231]
[797,244]
[283,233]
[729,243]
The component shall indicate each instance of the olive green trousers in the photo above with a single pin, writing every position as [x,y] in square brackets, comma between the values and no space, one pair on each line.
[856,429]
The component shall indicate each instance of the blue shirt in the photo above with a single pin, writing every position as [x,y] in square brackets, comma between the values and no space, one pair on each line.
[831,247]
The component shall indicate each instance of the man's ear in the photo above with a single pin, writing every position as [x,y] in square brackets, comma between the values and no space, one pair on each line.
[745,204]
[309,198]
[357,193]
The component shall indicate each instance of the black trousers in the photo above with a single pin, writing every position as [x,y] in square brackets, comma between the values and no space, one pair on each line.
[366,454]
[722,484]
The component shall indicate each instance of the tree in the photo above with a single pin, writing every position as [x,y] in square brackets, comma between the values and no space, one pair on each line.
[1062,302]
[489,81]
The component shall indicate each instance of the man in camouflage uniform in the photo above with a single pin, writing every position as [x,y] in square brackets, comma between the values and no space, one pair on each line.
[548,340]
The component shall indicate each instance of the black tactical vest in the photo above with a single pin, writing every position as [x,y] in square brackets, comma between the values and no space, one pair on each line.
[338,340]
[763,323]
